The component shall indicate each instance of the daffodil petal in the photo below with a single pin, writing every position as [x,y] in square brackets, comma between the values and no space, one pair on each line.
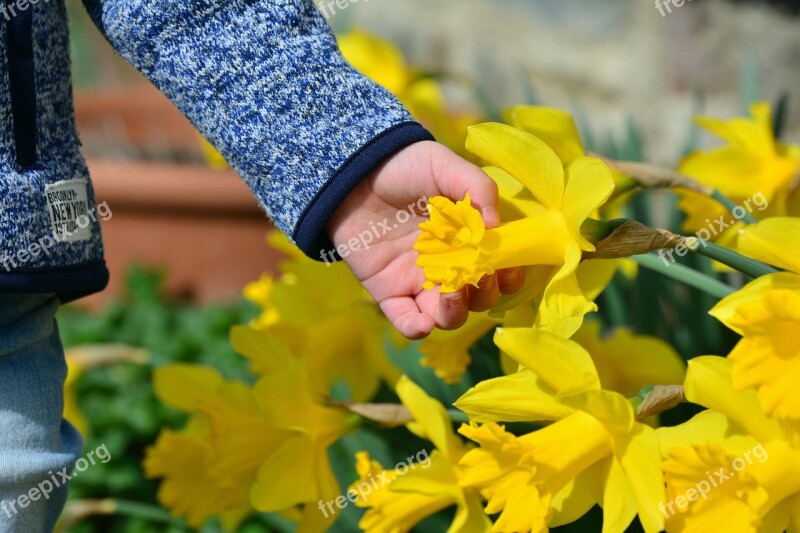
[613,491]
[516,201]
[589,184]
[726,310]
[183,385]
[638,453]
[563,306]
[559,363]
[518,397]
[705,427]
[627,363]
[310,519]
[595,275]
[610,408]
[266,353]
[523,156]
[709,383]
[429,415]
[470,517]
[727,168]
[286,478]
[553,126]
[437,478]
[794,514]
[775,241]
[571,503]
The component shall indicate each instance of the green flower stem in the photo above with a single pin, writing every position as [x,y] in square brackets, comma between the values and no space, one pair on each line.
[458,416]
[730,206]
[143,510]
[726,256]
[685,275]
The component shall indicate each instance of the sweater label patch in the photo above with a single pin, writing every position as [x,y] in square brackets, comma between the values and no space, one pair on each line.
[68,205]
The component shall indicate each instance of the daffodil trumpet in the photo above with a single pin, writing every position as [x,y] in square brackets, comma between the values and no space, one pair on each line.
[480,251]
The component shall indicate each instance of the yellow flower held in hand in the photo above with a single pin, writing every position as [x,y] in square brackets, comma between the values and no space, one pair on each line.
[455,247]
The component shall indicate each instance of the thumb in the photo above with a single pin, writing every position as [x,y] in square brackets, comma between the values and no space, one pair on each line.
[455,178]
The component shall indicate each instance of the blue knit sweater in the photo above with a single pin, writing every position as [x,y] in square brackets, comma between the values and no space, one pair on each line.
[261,79]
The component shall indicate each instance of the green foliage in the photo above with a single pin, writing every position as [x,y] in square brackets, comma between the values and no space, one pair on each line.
[118,400]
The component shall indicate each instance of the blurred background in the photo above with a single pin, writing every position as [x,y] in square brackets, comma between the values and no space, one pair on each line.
[633,76]
[624,70]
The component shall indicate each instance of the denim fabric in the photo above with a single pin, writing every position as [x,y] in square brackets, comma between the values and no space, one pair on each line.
[35,442]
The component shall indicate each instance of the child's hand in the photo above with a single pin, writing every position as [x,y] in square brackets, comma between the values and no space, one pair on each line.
[387,267]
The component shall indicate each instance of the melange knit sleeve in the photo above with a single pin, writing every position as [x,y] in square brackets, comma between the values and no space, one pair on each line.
[264,82]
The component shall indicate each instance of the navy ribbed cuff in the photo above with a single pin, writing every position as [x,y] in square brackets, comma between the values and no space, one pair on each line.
[309,235]
[69,283]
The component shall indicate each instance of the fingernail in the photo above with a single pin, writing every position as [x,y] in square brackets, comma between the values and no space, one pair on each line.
[510,277]
[490,216]
[455,299]
[485,282]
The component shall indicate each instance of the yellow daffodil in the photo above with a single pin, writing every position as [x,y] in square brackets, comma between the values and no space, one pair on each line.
[187,461]
[183,460]
[557,129]
[730,468]
[323,314]
[594,452]
[766,313]
[750,163]
[456,249]
[286,402]
[554,127]
[400,498]
[378,59]
[626,363]
[266,443]
[422,94]
[775,241]
[447,352]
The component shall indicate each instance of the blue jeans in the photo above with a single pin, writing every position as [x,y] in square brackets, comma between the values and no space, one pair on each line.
[36,443]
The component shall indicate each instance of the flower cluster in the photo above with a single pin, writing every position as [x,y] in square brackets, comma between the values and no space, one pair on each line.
[594,449]
[570,419]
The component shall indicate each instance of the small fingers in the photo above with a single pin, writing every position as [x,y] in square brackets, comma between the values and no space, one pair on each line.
[457,177]
[405,316]
[453,310]
[485,295]
[511,279]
